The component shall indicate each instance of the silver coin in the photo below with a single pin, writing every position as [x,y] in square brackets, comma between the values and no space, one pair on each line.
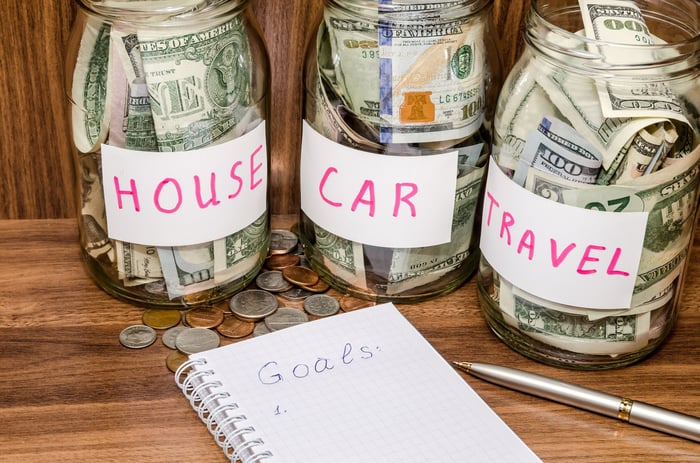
[272,281]
[170,335]
[285,317]
[137,336]
[260,329]
[296,294]
[193,340]
[282,241]
[253,304]
[321,305]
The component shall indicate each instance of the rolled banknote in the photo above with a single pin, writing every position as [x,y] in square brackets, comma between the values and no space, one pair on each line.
[91,87]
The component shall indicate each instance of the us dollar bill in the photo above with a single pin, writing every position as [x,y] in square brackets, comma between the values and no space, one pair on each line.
[670,197]
[137,264]
[198,84]
[557,326]
[239,253]
[622,22]
[91,87]
[380,72]
[577,100]
[416,267]
[343,258]
[557,148]
[519,117]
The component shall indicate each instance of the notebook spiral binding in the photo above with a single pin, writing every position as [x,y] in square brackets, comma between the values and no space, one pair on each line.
[223,420]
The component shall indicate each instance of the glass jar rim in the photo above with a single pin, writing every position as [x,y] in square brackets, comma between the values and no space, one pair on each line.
[402,10]
[150,12]
[577,49]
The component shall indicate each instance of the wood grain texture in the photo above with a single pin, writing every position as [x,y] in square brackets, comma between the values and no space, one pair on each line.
[70,392]
[35,151]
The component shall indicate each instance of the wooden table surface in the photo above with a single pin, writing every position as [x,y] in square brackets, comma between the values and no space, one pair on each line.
[69,391]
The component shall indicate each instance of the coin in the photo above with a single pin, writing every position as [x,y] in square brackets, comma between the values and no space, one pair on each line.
[160,319]
[297,294]
[260,329]
[321,305]
[301,276]
[174,360]
[282,241]
[280,261]
[234,327]
[204,317]
[137,336]
[319,287]
[272,281]
[193,340]
[285,317]
[350,303]
[170,335]
[253,304]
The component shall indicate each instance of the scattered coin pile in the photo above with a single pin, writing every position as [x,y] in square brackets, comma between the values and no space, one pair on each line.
[286,292]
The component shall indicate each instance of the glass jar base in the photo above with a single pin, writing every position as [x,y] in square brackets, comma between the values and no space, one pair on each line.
[551,355]
[155,294]
[445,284]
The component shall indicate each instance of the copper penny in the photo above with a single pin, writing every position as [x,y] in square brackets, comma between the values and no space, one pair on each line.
[234,327]
[174,360]
[319,287]
[205,317]
[160,319]
[280,261]
[350,303]
[301,276]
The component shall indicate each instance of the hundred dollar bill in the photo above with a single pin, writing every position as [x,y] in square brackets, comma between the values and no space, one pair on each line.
[622,22]
[669,196]
[199,84]
[91,87]
[326,113]
[553,325]
[415,267]
[577,100]
[381,73]
[557,148]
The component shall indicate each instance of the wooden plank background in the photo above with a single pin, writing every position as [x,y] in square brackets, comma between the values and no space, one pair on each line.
[36,169]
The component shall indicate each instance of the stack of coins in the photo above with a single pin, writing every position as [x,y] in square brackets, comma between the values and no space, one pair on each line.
[286,292]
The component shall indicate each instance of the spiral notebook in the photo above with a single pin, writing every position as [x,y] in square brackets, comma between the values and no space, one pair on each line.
[360,386]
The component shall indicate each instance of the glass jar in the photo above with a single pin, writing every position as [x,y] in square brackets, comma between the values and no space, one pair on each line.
[167,103]
[398,117]
[592,189]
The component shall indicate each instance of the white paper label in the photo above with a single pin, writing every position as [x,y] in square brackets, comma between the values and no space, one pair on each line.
[386,201]
[561,253]
[183,198]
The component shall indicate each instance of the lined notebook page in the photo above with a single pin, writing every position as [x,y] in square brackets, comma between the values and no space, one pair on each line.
[360,386]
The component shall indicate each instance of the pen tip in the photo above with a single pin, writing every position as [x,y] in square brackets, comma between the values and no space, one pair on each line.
[466,366]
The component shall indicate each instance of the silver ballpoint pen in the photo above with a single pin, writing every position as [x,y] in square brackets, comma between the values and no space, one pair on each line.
[624,409]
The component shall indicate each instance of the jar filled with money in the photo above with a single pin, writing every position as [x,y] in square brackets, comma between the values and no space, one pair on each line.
[591,196]
[167,103]
[398,116]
